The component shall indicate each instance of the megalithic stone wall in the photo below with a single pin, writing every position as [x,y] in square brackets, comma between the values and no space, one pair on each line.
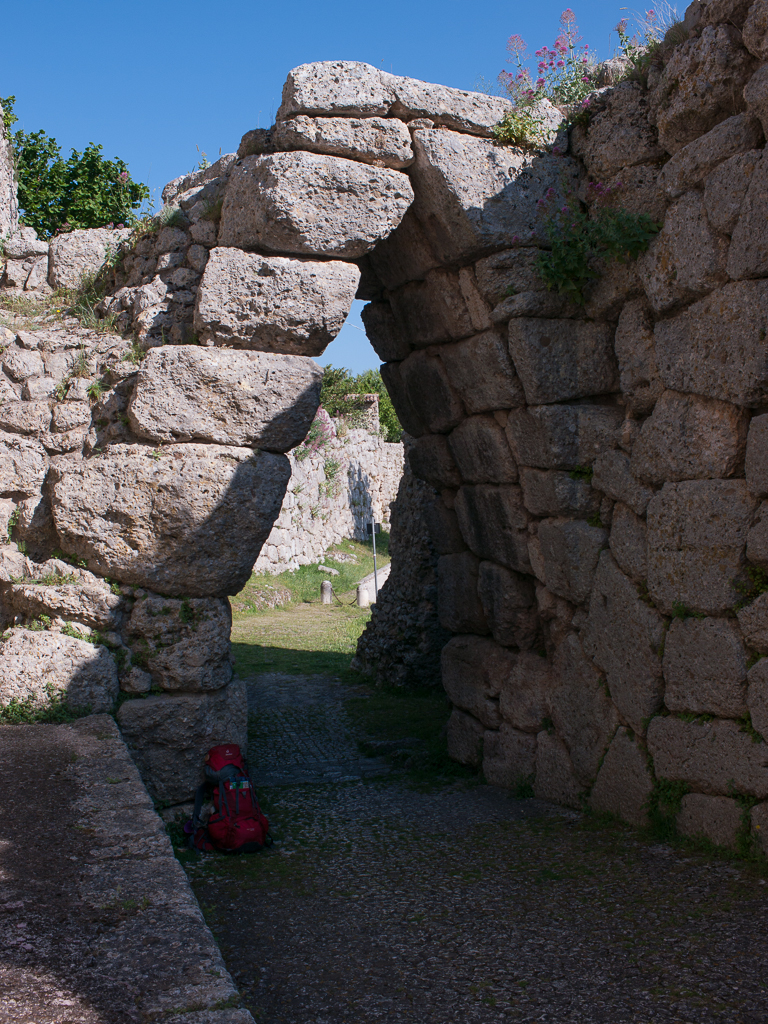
[600,469]
[9,209]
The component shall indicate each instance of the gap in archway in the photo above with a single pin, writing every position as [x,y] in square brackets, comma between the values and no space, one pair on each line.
[351,347]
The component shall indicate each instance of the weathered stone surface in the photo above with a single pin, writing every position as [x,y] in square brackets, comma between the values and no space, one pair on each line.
[69,415]
[9,207]
[562,436]
[482,453]
[187,393]
[686,259]
[385,142]
[493,524]
[629,542]
[581,709]
[726,189]
[509,756]
[562,359]
[458,602]
[24,243]
[405,255]
[465,738]
[40,666]
[700,86]
[624,783]
[429,392]
[757,696]
[716,818]
[555,779]
[474,196]
[757,538]
[697,531]
[554,493]
[509,605]
[756,95]
[73,256]
[183,643]
[705,668]
[168,736]
[410,419]
[570,549]
[748,253]
[755,31]
[87,600]
[634,344]
[443,527]
[692,165]
[688,438]
[20,364]
[273,304]
[714,757]
[311,205]
[188,521]
[23,465]
[716,347]
[434,310]
[613,475]
[624,636]
[215,171]
[472,112]
[756,460]
[474,669]
[32,418]
[383,332]
[759,821]
[481,373]
[619,135]
[431,459]
[525,694]
[753,620]
[509,273]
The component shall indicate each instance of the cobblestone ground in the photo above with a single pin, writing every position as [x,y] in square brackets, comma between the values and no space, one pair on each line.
[463,904]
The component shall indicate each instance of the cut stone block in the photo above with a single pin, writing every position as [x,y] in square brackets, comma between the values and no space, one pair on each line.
[636,354]
[74,255]
[756,462]
[624,782]
[509,604]
[753,620]
[23,465]
[570,549]
[509,756]
[474,669]
[273,304]
[525,694]
[716,818]
[554,493]
[629,542]
[493,524]
[757,696]
[692,165]
[430,459]
[481,373]
[385,142]
[726,190]
[555,779]
[384,333]
[482,452]
[613,475]
[429,392]
[562,436]
[458,602]
[705,668]
[434,310]
[465,738]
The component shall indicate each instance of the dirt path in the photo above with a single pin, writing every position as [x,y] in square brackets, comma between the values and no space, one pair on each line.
[383,903]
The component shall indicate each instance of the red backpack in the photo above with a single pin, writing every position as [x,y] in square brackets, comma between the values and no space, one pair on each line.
[236,824]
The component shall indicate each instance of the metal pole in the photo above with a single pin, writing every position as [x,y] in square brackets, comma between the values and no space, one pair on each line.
[375,577]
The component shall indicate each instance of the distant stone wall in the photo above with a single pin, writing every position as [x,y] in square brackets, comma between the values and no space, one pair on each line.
[8,204]
[331,496]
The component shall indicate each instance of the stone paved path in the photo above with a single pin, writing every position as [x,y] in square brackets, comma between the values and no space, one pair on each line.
[465,905]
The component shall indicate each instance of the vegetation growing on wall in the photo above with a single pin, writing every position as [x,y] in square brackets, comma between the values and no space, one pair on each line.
[337,397]
[82,191]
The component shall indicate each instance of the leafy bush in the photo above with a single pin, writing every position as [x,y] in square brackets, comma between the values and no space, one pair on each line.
[339,384]
[83,191]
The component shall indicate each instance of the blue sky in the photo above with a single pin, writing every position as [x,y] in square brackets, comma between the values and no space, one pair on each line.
[155,81]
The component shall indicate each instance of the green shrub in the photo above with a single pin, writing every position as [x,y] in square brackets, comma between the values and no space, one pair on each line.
[335,397]
[83,191]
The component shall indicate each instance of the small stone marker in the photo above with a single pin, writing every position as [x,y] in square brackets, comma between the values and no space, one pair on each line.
[326,592]
[363,598]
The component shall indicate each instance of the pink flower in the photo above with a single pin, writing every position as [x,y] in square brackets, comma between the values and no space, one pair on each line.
[516,45]
[124,176]
[567,17]
[585,78]
[561,63]
[515,238]
[563,209]
[541,81]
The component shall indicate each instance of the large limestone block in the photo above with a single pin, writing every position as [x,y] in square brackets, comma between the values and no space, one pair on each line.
[493,524]
[757,538]
[582,711]
[445,306]
[700,85]
[756,95]
[184,644]
[384,332]
[759,822]
[24,243]
[714,757]
[408,415]
[443,528]
[753,621]
[273,304]
[385,142]
[509,756]
[309,204]
[624,784]
[186,393]
[23,465]
[748,254]
[550,492]
[20,364]
[697,532]
[168,736]
[405,255]
[508,602]
[429,392]
[431,459]
[525,694]
[458,603]
[624,636]
[86,601]
[620,135]
[463,111]
[33,418]
[726,190]
[717,347]
[75,255]
[757,696]
[565,437]
[39,667]
[465,738]
[705,668]
[482,452]
[561,359]
[555,778]
[691,165]
[688,437]
[191,520]
[716,818]
[686,259]
[635,352]
[475,196]
[570,549]
[508,273]
[756,460]
[755,31]
[473,671]
[481,373]
[629,542]
[614,477]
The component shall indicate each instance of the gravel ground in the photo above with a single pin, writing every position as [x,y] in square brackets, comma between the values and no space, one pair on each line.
[464,904]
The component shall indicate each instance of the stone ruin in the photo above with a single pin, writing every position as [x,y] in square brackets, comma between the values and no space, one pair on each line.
[590,480]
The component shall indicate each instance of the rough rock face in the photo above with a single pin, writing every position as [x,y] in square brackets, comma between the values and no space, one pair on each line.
[81,252]
[9,210]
